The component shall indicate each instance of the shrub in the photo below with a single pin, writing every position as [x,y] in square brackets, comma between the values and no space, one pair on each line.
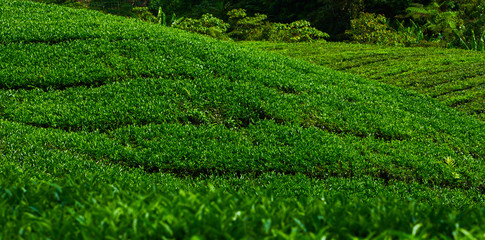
[472,35]
[143,14]
[207,24]
[437,24]
[372,28]
[298,31]
[256,28]
[244,27]
[461,26]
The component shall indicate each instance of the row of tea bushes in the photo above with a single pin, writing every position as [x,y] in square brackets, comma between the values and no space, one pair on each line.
[24,21]
[44,179]
[454,77]
[191,84]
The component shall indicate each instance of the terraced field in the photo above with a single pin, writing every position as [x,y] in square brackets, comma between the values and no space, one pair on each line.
[453,76]
[114,128]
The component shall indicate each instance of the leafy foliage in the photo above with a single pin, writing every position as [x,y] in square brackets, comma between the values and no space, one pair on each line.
[143,14]
[140,131]
[244,27]
[121,204]
[438,24]
[208,25]
[412,68]
[475,43]
[142,210]
[255,28]
[299,31]
[446,23]
[372,28]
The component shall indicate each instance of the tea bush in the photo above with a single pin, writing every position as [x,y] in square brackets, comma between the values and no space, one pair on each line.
[116,128]
[414,68]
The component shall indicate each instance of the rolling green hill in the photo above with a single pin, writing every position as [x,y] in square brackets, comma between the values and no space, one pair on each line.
[453,76]
[114,128]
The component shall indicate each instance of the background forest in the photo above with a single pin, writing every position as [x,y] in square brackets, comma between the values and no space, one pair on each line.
[441,23]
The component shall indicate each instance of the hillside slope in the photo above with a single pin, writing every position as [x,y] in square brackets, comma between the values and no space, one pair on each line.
[102,116]
[455,77]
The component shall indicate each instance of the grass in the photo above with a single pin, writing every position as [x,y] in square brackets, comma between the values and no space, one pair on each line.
[116,128]
[452,76]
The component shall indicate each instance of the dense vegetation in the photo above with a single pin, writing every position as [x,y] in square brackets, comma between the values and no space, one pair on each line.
[454,77]
[444,23]
[117,128]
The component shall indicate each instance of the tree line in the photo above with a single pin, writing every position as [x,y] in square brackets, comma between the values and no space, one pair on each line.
[459,23]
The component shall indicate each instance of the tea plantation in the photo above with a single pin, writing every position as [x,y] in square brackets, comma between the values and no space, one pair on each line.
[453,76]
[118,129]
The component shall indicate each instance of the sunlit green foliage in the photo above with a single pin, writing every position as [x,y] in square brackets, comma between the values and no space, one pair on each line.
[455,77]
[298,31]
[243,27]
[460,26]
[207,24]
[114,128]
[372,28]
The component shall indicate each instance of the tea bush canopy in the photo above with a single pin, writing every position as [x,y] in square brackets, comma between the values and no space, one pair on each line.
[453,76]
[116,128]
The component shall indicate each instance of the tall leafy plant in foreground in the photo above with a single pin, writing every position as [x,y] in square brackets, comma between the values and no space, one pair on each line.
[473,42]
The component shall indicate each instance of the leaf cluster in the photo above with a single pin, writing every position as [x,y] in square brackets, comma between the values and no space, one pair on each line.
[207,24]
[372,28]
